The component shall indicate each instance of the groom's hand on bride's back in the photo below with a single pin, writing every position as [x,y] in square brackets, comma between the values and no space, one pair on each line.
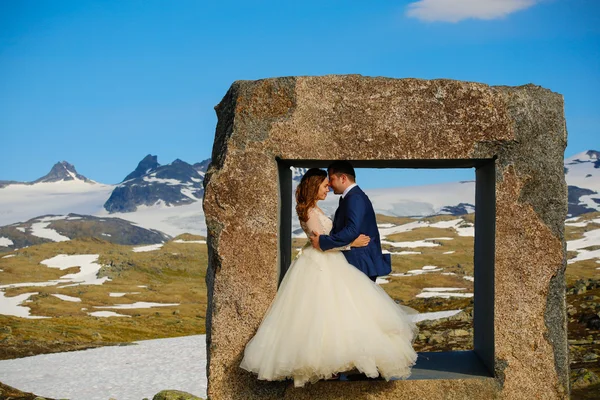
[314,240]
[361,241]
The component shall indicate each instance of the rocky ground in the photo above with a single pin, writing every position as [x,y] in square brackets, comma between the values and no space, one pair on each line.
[10,393]
[583,309]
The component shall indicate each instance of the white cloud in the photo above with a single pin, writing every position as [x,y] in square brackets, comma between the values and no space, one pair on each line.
[457,10]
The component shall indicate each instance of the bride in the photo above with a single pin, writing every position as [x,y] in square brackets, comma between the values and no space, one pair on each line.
[328,317]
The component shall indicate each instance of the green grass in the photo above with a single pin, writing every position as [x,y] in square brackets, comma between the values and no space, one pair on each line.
[173,274]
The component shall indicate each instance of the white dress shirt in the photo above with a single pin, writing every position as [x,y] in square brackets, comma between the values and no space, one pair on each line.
[348,189]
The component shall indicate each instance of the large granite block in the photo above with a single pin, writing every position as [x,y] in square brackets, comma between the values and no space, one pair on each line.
[516,134]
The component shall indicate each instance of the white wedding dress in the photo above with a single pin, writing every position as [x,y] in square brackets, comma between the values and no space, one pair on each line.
[328,317]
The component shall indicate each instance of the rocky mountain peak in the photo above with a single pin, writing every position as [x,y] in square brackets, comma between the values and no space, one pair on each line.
[593,154]
[147,164]
[62,171]
[176,183]
[595,157]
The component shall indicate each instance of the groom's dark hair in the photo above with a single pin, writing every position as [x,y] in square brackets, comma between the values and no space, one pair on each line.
[342,167]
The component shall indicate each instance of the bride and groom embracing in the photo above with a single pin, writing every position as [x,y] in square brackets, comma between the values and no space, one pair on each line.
[329,316]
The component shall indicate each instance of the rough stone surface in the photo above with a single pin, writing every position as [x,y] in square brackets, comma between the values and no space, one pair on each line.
[174,395]
[361,118]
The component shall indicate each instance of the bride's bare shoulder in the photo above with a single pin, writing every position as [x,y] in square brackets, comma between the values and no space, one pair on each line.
[315,211]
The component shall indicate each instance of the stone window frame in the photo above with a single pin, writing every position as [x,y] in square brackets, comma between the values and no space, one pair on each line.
[475,363]
[379,118]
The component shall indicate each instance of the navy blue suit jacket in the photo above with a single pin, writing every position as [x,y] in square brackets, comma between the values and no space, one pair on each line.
[355,215]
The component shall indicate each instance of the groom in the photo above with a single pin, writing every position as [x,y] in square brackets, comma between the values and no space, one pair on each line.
[354,216]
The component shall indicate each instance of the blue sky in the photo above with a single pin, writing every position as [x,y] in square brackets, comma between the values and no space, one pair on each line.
[101,84]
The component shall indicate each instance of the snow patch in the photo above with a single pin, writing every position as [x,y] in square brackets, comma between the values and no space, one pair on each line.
[8,256]
[120,372]
[121,294]
[173,221]
[577,224]
[402,228]
[151,247]
[421,271]
[152,178]
[434,315]
[12,306]
[106,314]
[5,242]
[443,294]
[67,298]
[461,227]
[189,193]
[139,304]
[411,245]
[21,229]
[189,241]
[424,270]
[40,229]
[88,269]
[590,238]
[447,224]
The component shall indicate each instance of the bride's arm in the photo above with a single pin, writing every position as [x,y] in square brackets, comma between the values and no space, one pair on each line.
[315,225]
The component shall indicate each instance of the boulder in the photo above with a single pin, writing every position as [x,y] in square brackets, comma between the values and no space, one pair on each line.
[174,395]
[458,333]
[582,378]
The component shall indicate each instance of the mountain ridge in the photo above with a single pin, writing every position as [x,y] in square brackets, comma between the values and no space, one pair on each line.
[169,197]
[173,184]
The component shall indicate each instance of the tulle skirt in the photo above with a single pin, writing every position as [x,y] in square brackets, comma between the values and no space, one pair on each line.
[329,317]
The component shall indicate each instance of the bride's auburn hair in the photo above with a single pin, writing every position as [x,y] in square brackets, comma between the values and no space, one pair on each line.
[307,191]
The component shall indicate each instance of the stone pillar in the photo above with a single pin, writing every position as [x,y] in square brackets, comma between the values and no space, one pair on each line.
[518,131]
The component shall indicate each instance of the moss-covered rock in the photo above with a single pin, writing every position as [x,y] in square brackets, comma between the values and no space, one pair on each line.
[582,378]
[174,395]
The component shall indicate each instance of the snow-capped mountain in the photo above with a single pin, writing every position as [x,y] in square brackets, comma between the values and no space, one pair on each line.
[22,201]
[149,163]
[62,171]
[201,167]
[582,172]
[168,197]
[174,184]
